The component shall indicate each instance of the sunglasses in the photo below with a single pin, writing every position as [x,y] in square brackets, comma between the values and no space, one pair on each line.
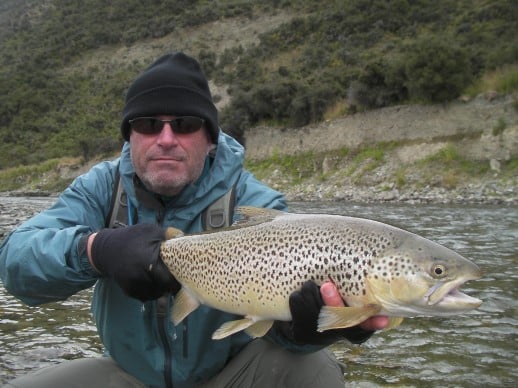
[181,125]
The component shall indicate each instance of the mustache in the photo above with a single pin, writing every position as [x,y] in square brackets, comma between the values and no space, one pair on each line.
[177,156]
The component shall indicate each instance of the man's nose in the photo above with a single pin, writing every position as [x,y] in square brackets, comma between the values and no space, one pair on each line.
[167,135]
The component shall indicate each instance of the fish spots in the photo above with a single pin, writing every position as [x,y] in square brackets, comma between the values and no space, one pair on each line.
[257,267]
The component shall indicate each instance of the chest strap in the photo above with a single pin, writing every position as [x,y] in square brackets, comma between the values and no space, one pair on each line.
[219,214]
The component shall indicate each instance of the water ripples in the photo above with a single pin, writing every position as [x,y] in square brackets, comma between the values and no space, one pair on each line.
[474,349]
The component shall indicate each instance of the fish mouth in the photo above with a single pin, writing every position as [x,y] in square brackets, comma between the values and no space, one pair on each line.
[455,296]
[448,297]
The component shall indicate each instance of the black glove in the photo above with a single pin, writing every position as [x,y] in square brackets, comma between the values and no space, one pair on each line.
[131,256]
[305,305]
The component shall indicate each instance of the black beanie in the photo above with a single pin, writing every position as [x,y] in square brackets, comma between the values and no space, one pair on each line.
[173,85]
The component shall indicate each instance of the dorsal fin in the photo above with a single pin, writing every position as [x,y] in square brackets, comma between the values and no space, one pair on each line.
[251,216]
[250,213]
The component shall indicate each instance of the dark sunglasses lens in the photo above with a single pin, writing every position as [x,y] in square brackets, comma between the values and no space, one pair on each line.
[187,124]
[181,125]
[146,125]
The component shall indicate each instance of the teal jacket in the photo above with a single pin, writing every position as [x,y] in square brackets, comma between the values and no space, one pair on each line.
[41,261]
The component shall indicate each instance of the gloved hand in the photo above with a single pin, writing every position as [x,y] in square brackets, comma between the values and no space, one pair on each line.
[305,305]
[131,256]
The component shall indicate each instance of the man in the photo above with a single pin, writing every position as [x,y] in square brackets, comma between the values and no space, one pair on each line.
[175,163]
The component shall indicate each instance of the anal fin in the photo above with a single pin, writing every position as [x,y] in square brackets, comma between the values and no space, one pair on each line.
[259,328]
[231,327]
[252,327]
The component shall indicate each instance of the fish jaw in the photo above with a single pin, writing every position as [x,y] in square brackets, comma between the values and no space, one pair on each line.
[420,294]
[417,303]
[446,297]
[457,302]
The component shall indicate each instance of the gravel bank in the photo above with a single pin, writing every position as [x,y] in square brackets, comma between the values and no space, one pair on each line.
[490,193]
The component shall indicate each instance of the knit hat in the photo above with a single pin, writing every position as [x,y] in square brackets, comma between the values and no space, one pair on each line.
[173,85]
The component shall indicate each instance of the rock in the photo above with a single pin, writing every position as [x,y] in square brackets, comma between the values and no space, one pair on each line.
[491,95]
[495,165]
[389,195]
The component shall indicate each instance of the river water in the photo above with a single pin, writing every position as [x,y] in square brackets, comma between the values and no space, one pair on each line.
[476,349]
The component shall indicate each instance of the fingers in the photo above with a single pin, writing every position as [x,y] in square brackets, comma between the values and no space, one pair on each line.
[330,295]
[379,322]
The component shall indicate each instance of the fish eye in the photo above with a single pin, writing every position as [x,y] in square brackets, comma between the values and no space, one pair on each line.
[439,271]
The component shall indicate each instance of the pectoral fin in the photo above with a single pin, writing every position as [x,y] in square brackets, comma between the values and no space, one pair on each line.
[342,317]
[184,304]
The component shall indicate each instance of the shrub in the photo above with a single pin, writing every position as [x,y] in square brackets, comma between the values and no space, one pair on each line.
[436,69]
[380,83]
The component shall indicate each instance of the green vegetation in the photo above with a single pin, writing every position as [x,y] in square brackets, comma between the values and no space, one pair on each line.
[502,80]
[400,177]
[499,127]
[509,169]
[296,167]
[16,177]
[307,165]
[300,167]
[451,167]
[368,53]
[446,168]
[365,160]
[323,61]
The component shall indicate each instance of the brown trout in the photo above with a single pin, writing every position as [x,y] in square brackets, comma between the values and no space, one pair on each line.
[251,268]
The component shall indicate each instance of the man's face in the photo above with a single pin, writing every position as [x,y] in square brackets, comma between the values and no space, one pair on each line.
[166,162]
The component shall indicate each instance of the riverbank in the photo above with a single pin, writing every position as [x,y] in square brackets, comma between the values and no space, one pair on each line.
[369,181]
[465,152]
[492,192]
[462,152]
[375,176]
[487,193]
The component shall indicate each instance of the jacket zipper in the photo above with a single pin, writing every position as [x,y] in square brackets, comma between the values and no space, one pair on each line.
[185,338]
[162,321]
[162,318]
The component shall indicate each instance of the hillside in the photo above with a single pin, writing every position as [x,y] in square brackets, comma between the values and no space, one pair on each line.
[463,152]
[65,65]
[356,100]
